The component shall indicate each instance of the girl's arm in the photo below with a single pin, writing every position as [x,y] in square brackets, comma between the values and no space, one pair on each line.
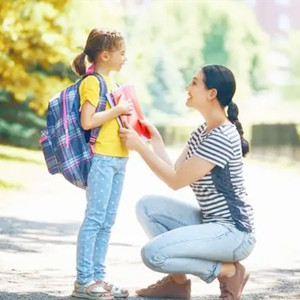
[190,171]
[90,119]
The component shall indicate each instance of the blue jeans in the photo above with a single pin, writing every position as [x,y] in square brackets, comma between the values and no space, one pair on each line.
[105,182]
[181,244]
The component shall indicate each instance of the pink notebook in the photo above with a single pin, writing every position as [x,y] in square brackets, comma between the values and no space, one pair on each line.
[127,91]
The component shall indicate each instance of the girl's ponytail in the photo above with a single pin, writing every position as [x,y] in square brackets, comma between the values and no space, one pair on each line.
[98,40]
[232,113]
[79,64]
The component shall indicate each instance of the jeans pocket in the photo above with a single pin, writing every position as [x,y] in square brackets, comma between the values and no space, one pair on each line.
[245,248]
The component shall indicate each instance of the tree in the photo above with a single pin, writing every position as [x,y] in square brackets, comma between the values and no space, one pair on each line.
[292,89]
[181,36]
[32,40]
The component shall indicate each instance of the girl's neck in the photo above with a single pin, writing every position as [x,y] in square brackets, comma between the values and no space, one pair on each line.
[102,69]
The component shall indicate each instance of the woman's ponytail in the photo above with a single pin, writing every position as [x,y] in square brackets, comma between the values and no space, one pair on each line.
[232,113]
[79,64]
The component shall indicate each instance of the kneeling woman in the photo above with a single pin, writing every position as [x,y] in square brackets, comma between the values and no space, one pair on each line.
[210,239]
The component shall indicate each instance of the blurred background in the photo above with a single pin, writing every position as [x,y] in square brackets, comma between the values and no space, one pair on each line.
[167,42]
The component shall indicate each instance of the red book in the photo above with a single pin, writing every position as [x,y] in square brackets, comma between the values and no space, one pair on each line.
[125,92]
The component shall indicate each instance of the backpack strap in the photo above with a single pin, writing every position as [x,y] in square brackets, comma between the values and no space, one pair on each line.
[101,106]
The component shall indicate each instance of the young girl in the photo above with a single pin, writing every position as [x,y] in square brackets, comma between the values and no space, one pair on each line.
[106,51]
[211,239]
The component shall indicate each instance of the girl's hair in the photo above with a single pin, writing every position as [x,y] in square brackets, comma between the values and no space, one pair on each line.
[98,40]
[221,78]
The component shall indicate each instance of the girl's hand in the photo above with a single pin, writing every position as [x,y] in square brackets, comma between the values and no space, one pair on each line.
[151,128]
[125,106]
[130,138]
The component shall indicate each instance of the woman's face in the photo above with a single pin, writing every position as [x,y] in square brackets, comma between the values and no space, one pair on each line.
[197,92]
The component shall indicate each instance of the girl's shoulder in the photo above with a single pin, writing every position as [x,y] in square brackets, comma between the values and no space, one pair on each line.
[90,80]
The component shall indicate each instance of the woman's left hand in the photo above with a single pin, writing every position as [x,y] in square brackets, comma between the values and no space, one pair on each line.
[130,138]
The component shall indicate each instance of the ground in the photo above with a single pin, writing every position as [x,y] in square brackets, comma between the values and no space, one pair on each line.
[39,225]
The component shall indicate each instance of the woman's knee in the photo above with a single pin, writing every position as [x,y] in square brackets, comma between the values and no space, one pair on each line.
[152,257]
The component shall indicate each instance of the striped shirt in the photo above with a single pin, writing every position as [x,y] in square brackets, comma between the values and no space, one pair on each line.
[221,193]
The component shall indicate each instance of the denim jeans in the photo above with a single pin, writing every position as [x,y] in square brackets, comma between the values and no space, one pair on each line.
[105,182]
[181,244]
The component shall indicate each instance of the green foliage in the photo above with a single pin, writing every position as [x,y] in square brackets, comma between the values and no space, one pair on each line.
[19,125]
[172,40]
[167,42]
[31,35]
[292,90]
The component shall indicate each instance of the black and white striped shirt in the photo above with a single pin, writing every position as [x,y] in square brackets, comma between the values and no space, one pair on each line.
[221,193]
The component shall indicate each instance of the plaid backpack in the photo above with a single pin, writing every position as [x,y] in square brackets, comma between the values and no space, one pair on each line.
[67,148]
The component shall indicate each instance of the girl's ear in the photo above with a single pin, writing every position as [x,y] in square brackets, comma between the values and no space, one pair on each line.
[104,55]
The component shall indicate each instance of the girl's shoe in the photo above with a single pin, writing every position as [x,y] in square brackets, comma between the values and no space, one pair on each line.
[232,287]
[167,288]
[92,291]
[116,291]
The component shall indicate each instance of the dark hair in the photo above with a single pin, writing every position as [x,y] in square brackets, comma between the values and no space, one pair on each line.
[98,40]
[221,78]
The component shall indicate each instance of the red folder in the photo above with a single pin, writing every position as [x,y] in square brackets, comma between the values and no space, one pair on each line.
[127,91]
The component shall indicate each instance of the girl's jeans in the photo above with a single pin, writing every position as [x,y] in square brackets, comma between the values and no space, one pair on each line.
[105,182]
[181,244]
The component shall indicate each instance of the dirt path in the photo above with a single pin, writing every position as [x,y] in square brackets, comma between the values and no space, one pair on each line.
[39,224]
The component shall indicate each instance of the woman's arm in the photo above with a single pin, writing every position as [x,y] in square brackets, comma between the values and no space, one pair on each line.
[190,171]
[182,157]
[157,143]
[90,119]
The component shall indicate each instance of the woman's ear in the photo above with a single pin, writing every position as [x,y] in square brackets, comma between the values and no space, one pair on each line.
[213,93]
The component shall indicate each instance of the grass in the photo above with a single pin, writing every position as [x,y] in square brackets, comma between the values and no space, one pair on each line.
[16,166]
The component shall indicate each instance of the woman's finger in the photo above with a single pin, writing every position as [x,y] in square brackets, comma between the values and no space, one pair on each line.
[127,125]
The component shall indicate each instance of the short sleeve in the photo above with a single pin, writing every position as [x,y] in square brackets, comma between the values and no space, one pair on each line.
[216,148]
[89,91]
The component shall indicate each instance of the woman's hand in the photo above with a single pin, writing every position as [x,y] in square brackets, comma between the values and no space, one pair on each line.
[154,133]
[130,138]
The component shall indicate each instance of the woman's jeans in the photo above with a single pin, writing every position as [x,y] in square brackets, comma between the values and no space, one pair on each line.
[105,182]
[181,244]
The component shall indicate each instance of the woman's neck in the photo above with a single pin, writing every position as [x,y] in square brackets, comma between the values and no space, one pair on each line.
[215,118]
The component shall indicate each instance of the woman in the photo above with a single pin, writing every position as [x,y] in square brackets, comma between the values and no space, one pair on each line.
[208,240]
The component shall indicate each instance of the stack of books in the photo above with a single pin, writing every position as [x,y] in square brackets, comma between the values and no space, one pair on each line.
[126,92]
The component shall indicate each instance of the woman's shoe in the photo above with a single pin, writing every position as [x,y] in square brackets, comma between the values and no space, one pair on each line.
[167,288]
[232,287]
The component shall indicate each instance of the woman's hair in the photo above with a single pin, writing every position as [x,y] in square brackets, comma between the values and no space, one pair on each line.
[221,78]
[98,40]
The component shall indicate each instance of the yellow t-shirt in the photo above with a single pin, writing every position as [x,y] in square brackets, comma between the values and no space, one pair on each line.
[108,141]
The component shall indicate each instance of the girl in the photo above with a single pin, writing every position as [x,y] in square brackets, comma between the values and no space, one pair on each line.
[106,51]
[208,240]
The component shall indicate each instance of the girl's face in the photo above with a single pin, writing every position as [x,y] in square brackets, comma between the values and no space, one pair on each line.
[197,92]
[117,58]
